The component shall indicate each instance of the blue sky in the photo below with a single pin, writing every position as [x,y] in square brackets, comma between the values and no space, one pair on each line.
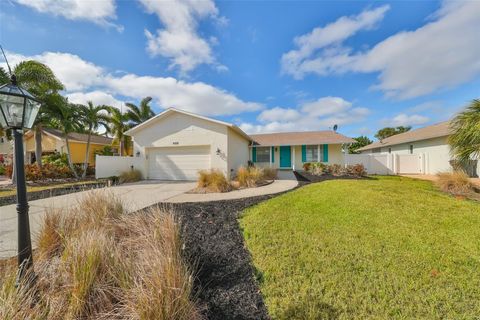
[266,66]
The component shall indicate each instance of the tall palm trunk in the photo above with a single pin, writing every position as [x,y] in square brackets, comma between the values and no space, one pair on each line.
[69,158]
[38,145]
[85,164]
[121,147]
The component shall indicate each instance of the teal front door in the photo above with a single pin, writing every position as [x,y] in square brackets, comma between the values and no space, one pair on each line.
[285,157]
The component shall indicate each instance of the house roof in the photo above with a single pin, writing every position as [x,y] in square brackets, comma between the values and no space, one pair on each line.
[300,138]
[434,131]
[78,137]
[172,110]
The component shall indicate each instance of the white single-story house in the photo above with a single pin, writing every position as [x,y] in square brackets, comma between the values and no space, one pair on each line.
[176,144]
[430,143]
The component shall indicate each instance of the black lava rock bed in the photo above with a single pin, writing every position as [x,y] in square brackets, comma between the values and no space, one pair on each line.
[225,284]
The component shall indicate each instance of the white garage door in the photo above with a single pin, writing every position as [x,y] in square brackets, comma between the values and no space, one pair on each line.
[178,163]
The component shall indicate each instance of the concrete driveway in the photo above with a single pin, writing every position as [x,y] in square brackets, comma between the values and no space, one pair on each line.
[134,196]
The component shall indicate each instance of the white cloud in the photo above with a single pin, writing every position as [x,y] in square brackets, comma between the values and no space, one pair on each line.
[99,12]
[442,53]
[278,114]
[325,106]
[169,92]
[323,113]
[74,72]
[97,97]
[298,62]
[179,40]
[403,119]
[84,80]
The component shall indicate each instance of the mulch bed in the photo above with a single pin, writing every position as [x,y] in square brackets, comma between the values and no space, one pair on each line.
[42,194]
[224,284]
[306,176]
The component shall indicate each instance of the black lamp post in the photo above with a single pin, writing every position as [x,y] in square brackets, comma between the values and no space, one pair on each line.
[18,110]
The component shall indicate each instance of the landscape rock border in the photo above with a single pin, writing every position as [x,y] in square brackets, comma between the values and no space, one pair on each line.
[53,192]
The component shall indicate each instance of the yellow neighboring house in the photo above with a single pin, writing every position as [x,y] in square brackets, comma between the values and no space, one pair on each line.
[53,141]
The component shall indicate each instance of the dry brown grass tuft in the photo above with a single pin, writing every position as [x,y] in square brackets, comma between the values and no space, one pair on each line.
[251,176]
[270,173]
[95,262]
[130,176]
[456,183]
[213,181]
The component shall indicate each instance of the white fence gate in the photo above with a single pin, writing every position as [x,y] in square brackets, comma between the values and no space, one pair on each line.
[386,164]
[409,164]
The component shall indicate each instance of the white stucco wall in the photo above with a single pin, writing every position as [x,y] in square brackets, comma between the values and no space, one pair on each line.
[237,150]
[107,166]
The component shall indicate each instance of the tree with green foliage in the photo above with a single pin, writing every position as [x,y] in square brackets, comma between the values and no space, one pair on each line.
[360,142]
[139,114]
[390,131]
[92,117]
[465,138]
[118,125]
[66,117]
[39,80]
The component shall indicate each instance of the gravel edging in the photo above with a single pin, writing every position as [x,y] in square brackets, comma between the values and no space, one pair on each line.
[308,177]
[47,193]
[224,285]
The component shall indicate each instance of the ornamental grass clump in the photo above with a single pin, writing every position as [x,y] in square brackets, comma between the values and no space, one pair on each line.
[249,177]
[130,176]
[96,262]
[270,173]
[213,181]
[456,183]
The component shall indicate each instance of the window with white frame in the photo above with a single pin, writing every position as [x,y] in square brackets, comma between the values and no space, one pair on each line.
[312,153]
[263,154]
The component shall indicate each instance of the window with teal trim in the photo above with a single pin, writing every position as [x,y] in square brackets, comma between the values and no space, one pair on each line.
[263,154]
[311,153]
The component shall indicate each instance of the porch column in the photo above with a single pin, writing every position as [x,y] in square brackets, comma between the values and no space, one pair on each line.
[270,156]
[318,153]
[293,162]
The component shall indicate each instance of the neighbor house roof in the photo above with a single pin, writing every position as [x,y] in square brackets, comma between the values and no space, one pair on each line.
[300,138]
[173,110]
[78,137]
[434,131]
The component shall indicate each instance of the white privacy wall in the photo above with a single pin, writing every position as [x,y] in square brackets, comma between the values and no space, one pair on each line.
[107,166]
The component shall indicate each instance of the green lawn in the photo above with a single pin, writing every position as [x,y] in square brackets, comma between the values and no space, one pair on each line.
[385,248]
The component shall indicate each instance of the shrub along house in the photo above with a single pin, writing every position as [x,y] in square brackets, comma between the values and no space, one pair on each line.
[176,145]
[290,150]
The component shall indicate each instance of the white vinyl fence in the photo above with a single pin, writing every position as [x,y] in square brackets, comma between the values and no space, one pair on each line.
[107,166]
[386,164]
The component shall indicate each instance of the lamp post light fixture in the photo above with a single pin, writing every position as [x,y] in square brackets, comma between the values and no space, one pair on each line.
[18,110]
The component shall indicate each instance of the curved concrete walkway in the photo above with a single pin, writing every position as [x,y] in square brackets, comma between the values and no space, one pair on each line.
[275,187]
[135,196]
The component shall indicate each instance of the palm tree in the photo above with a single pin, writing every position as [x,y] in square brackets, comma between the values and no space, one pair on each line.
[66,117]
[465,139]
[140,114]
[92,117]
[40,80]
[118,124]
